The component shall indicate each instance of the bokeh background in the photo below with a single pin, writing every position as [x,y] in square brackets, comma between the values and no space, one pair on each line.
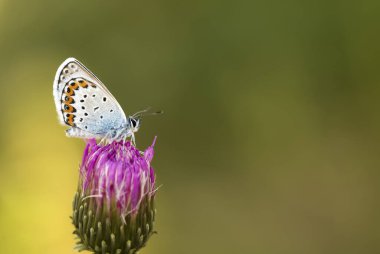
[270,138]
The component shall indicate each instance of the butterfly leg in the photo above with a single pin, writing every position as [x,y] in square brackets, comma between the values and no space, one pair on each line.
[104,139]
[123,139]
[133,139]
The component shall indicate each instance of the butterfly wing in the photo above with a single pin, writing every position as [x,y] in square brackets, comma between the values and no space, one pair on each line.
[83,102]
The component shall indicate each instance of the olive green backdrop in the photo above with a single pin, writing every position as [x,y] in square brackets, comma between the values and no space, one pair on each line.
[270,139]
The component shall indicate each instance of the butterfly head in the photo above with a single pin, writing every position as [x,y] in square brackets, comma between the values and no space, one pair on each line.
[134,123]
[134,120]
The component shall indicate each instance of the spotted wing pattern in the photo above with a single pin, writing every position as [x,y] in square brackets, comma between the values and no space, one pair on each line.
[84,103]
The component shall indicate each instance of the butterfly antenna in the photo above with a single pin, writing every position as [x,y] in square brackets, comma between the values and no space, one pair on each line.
[145,112]
[153,113]
[141,112]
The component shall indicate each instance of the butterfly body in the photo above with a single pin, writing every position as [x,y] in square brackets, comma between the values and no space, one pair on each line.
[85,105]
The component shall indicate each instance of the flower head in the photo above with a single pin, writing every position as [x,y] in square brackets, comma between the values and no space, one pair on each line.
[113,210]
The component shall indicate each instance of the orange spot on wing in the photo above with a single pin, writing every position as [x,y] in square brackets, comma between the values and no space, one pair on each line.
[69,91]
[83,83]
[74,86]
[70,119]
[67,108]
[69,100]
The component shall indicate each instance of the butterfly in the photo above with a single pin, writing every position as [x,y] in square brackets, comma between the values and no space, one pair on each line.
[85,105]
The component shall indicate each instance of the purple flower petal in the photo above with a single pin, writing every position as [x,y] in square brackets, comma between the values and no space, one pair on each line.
[118,173]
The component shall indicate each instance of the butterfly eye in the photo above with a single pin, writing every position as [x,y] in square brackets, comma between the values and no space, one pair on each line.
[133,122]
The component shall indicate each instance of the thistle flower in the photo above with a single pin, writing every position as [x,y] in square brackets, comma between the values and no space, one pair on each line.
[113,209]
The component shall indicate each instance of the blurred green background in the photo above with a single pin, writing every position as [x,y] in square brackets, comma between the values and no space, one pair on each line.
[270,138]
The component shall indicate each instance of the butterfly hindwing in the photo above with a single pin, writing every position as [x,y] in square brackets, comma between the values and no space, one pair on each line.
[83,102]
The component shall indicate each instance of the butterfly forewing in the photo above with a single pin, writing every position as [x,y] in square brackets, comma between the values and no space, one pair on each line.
[83,102]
